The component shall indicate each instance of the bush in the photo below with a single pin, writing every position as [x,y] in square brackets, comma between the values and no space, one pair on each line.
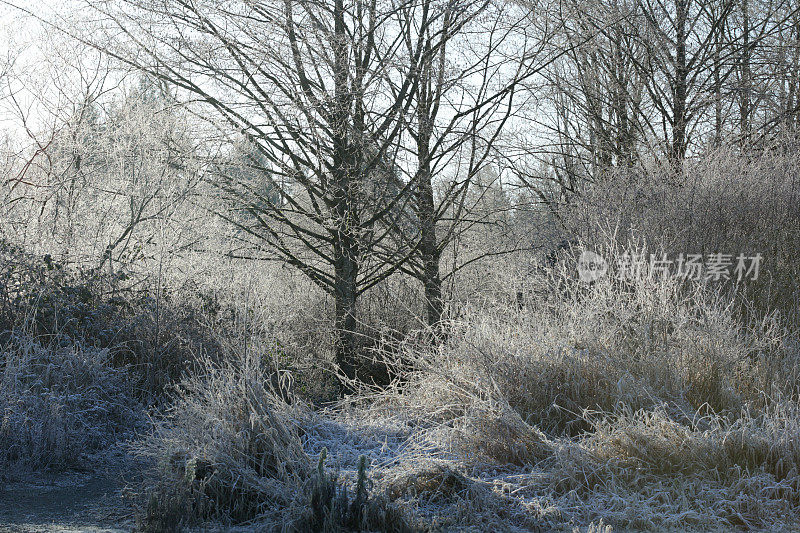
[60,402]
[155,337]
[729,202]
[229,445]
[614,401]
[333,508]
[229,449]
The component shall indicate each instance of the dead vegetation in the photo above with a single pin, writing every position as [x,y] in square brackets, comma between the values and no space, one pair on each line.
[637,405]
[646,404]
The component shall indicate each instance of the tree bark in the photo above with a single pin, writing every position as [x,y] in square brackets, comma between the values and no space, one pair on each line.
[678,148]
[345,293]
[345,237]
[744,102]
[429,250]
[429,89]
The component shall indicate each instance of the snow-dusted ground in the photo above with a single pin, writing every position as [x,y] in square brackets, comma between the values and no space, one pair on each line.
[91,501]
[65,502]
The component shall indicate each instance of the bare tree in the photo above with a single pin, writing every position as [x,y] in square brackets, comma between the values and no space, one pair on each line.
[321,90]
[91,186]
[468,92]
[660,79]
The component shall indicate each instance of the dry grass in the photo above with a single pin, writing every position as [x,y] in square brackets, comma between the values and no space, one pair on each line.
[228,445]
[645,405]
[730,202]
[60,402]
[641,405]
[231,450]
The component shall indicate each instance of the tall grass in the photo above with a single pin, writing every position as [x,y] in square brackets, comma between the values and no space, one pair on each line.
[231,449]
[644,403]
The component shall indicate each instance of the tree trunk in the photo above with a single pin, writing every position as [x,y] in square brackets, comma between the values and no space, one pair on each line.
[346,252]
[345,236]
[346,271]
[429,251]
[431,278]
[718,34]
[678,148]
[792,100]
[744,102]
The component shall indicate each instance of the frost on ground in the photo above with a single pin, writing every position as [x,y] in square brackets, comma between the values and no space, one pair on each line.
[87,500]
[639,405]
[636,407]
[67,502]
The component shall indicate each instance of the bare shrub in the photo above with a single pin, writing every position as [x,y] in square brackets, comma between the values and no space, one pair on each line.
[730,202]
[155,333]
[59,402]
[230,449]
[647,403]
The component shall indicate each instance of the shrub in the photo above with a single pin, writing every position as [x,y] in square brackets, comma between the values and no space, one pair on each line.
[331,506]
[60,402]
[729,202]
[154,336]
[229,449]
[647,403]
[228,446]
